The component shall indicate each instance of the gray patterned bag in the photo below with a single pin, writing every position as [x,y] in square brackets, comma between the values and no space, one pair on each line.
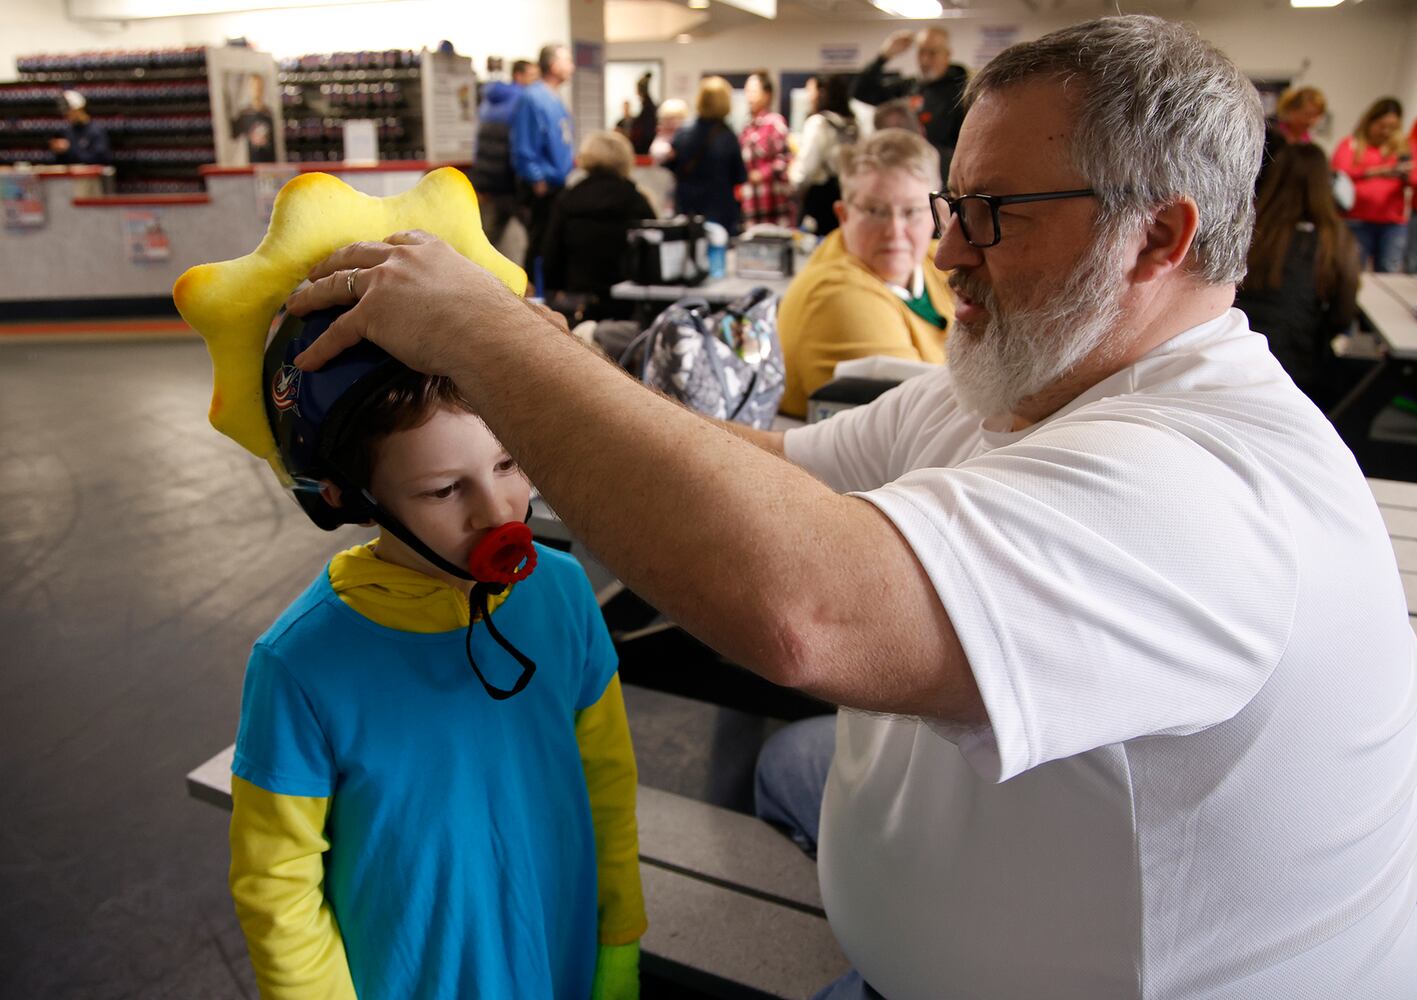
[725,364]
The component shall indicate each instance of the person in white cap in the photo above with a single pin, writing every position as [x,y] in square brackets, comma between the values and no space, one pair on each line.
[83,140]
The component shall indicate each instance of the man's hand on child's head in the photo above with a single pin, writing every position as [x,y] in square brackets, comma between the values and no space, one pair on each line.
[413,295]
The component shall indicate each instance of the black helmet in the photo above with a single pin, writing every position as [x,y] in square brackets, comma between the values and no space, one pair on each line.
[310,412]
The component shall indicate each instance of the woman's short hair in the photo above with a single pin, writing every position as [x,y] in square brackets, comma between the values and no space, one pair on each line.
[608,151]
[888,149]
[715,98]
[896,114]
[673,109]
[1301,97]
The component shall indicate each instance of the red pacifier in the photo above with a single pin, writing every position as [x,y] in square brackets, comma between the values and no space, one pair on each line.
[505,555]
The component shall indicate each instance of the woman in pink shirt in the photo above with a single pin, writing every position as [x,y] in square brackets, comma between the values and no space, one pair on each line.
[1378,159]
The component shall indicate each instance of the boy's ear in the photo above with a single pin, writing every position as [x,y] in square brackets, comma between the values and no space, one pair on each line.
[330,493]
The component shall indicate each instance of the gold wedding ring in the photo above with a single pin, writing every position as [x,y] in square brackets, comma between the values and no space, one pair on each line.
[349,282]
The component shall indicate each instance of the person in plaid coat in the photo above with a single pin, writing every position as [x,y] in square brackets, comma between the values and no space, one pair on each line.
[767,197]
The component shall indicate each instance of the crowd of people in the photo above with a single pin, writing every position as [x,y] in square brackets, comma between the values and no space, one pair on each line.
[1322,218]
[759,175]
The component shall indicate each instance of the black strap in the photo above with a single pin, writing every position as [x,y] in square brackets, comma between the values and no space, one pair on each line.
[481,592]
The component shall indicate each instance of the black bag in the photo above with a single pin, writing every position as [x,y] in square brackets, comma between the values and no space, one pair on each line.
[667,251]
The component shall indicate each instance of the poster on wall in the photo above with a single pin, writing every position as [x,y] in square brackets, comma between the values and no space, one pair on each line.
[22,198]
[246,112]
[449,107]
[269,178]
[144,236]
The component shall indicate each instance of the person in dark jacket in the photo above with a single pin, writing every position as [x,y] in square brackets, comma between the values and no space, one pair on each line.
[83,140]
[583,251]
[491,174]
[937,93]
[707,163]
[1302,282]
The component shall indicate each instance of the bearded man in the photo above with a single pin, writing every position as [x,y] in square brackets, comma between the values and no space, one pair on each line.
[1126,676]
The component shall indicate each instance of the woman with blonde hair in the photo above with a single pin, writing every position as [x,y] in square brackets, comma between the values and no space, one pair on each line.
[1301,283]
[585,237]
[1377,158]
[1299,109]
[707,163]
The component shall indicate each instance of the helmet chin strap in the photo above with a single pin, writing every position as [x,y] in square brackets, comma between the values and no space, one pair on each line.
[477,599]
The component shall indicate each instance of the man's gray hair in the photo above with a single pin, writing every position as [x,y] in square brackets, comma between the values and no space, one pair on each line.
[1161,114]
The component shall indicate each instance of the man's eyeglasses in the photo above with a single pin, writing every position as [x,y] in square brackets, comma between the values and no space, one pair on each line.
[978,214]
[884,215]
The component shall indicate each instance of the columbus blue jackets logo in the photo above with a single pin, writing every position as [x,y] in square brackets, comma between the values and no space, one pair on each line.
[285,389]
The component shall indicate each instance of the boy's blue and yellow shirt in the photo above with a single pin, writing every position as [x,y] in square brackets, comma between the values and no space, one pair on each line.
[462,846]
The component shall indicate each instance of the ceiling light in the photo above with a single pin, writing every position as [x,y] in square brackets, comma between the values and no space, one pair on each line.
[919,10]
[698,4]
[1314,3]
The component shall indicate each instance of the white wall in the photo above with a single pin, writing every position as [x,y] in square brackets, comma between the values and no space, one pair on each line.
[476,27]
[1354,54]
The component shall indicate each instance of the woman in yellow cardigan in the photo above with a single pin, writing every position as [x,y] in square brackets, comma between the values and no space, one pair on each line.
[865,290]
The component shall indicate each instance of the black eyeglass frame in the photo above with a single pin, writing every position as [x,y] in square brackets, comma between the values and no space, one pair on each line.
[995,202]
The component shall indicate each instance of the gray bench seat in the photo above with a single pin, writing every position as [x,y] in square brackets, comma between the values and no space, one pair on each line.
[734,909]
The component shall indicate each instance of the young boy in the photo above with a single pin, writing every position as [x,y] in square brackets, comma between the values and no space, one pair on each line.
[402,826]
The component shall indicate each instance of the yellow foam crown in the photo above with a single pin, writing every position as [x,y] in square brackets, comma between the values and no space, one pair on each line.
[231,303]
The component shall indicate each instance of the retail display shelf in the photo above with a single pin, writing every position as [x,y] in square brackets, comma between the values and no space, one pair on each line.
[347,75]
[155,105]
[319,93]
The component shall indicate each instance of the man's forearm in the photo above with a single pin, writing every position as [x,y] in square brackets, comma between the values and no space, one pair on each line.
[658,493]
[769,441]
[744,550]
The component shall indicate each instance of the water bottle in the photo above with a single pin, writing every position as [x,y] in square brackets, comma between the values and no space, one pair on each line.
[717,250]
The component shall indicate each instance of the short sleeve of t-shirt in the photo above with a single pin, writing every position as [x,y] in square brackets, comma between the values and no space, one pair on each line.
[280,745]
[599,657]
[1119,574]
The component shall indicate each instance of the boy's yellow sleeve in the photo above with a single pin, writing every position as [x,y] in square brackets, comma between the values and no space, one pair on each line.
[277,880]
[603,733]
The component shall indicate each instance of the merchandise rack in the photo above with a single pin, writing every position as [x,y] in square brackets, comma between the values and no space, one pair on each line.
[319,92]
[154,104]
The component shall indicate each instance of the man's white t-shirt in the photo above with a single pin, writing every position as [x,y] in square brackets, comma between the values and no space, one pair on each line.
[1183,611]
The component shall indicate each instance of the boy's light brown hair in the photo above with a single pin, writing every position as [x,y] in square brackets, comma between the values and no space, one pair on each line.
[408,402]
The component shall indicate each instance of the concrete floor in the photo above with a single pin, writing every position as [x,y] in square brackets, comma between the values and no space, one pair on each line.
[140,555]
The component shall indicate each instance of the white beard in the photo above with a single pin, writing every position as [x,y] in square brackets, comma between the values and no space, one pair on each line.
[1023,350]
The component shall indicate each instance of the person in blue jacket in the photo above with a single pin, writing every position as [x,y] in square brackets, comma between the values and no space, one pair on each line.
[543,149]
[491,174]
